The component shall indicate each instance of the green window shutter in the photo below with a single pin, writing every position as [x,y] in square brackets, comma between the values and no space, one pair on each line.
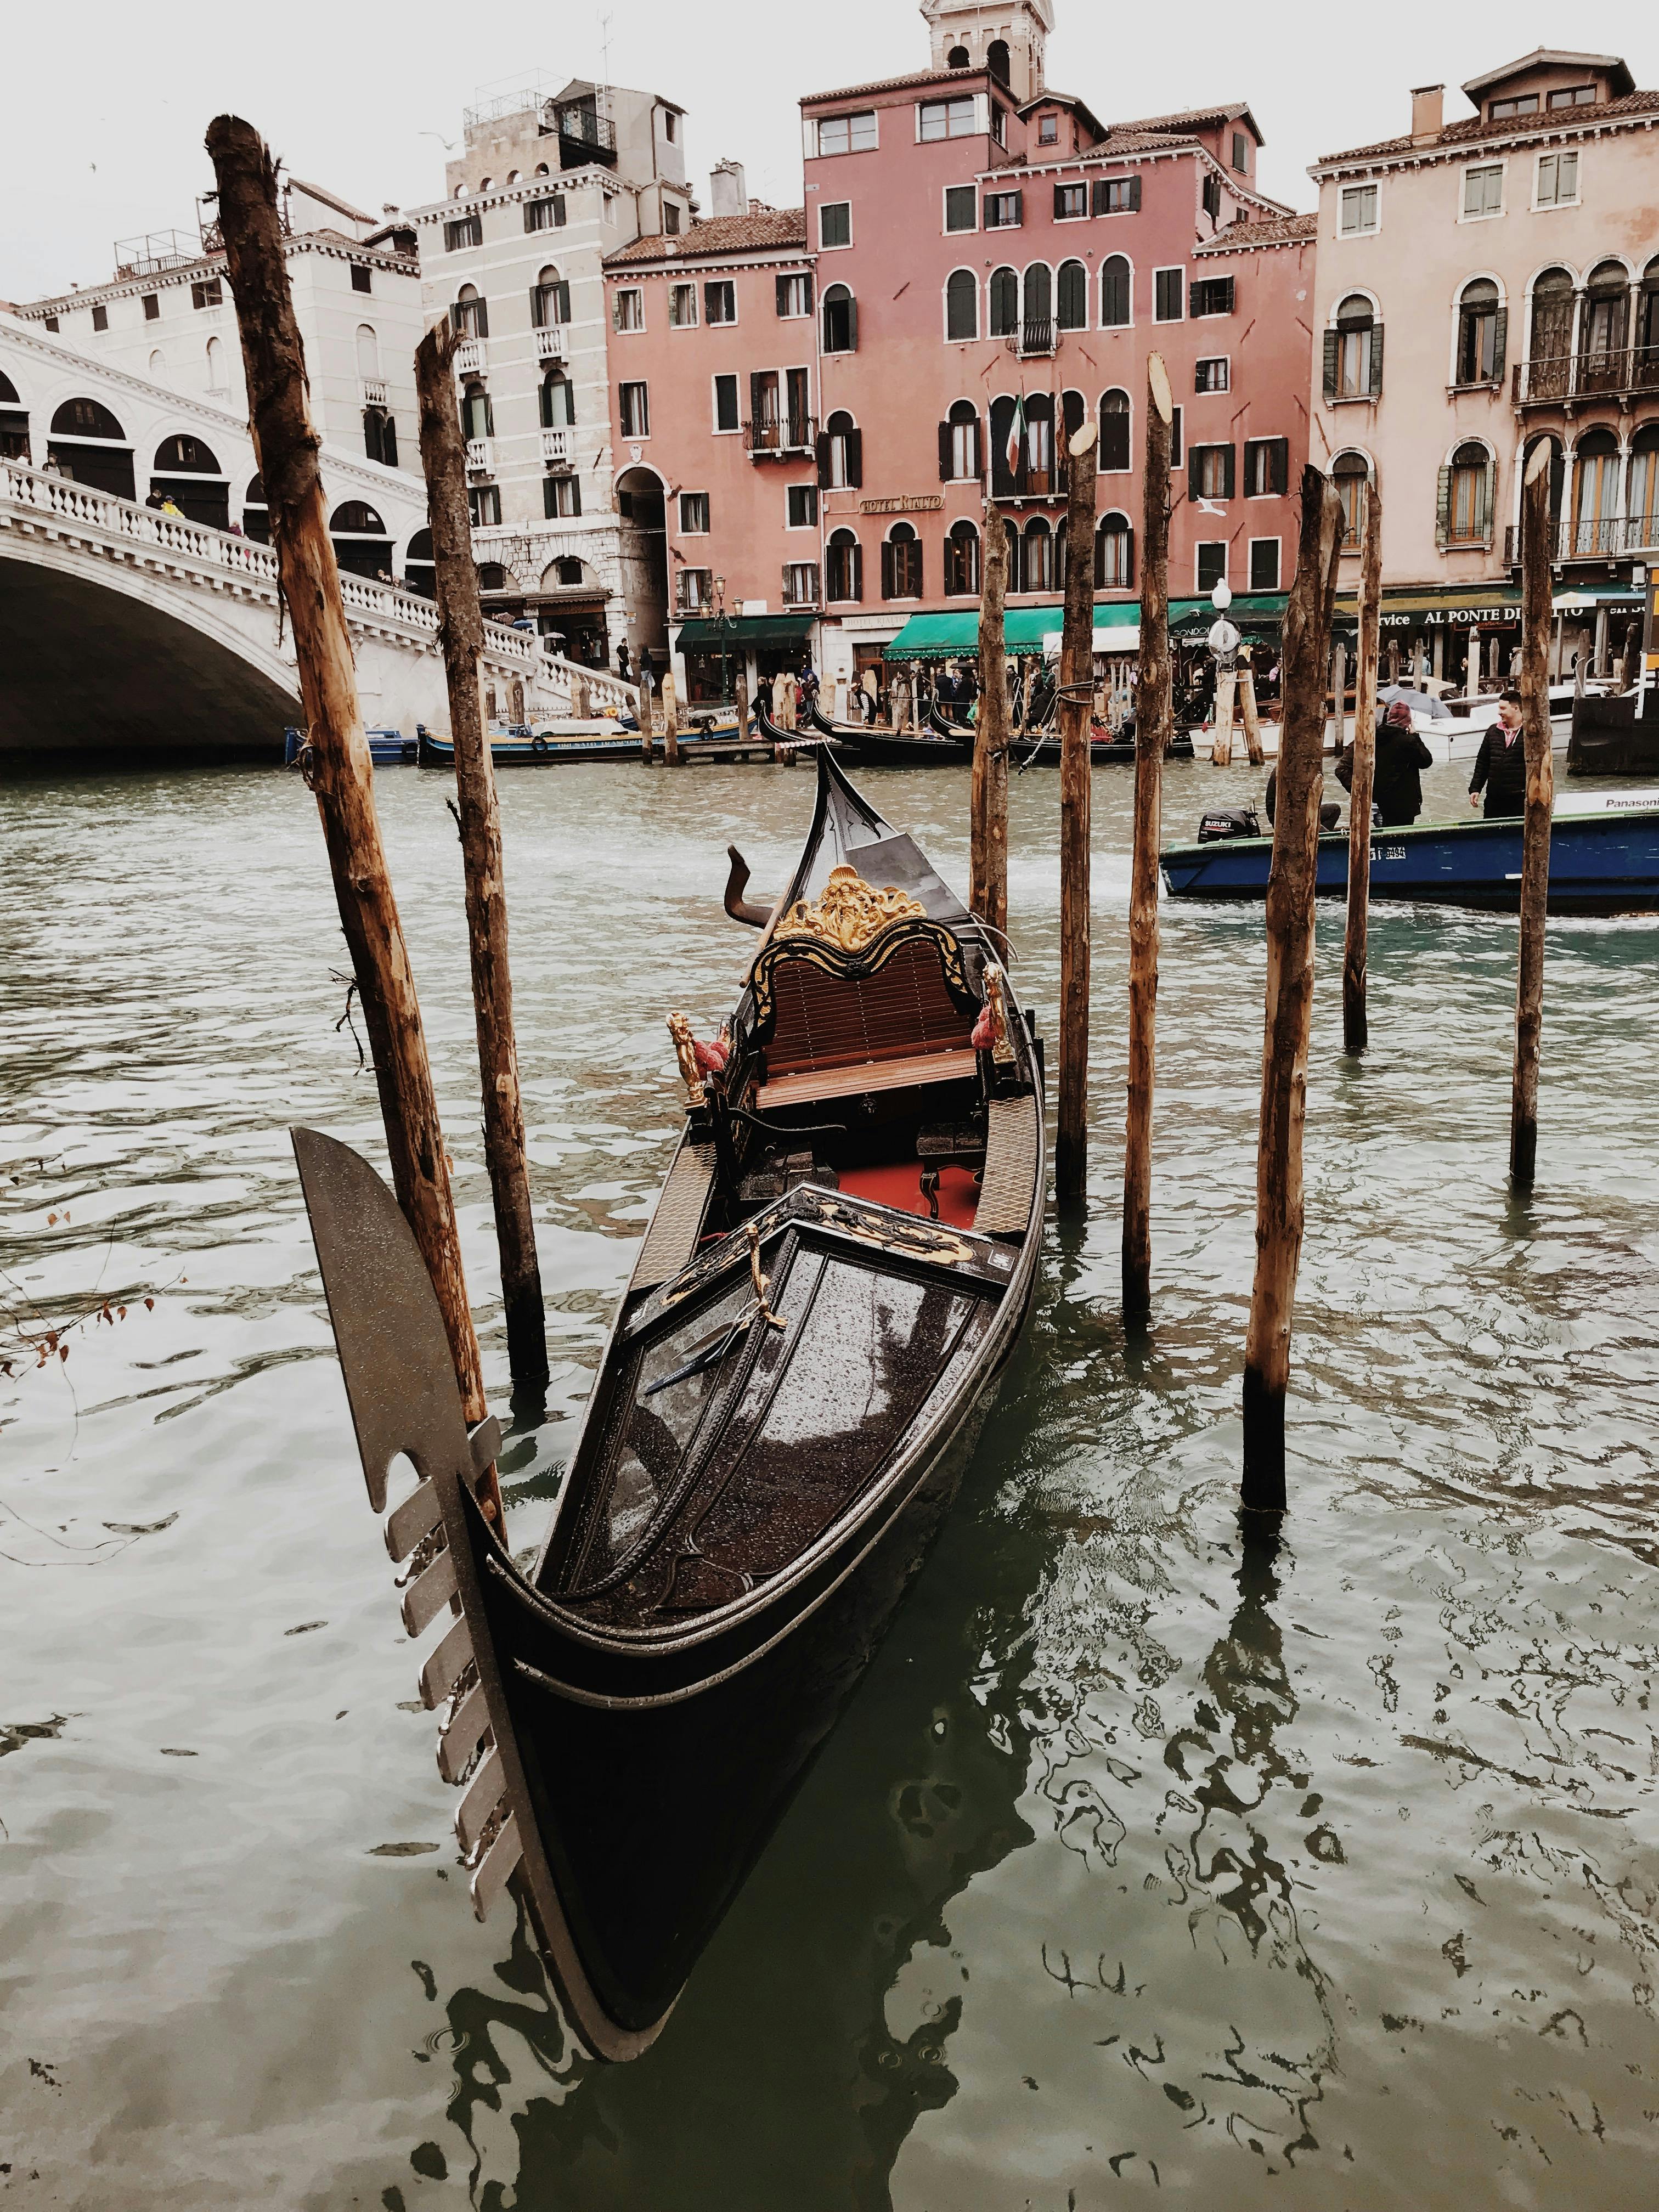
[855,460]
[1500,342]
[1193,457]
[1488,502]
[1280,465]
[1442,510]
[946,470]
[1228,481]
[1376,361]
[1134,194]
[1333,342]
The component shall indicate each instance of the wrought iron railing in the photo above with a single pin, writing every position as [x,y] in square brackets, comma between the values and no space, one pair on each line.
[1598,537]
[1554,377]
[794,434]
[1036,336]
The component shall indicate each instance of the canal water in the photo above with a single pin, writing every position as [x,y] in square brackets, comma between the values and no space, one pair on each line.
[1146,1865]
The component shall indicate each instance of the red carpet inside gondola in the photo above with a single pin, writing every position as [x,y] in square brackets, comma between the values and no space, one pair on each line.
[899,1185]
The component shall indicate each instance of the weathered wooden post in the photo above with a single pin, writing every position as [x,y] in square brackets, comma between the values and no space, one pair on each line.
[460,634]
[1253,751]
[1356,1031]
[671,719]
[647,721]
[1279,1206]
[1221,742]
[741,689]
[1077,691]
[1535,832]
[341,774]
[1153,729]
[987,867]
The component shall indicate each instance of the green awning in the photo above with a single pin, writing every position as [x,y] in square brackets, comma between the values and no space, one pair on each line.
[956,636]
[745,629]
[1257,611]
[1470,602]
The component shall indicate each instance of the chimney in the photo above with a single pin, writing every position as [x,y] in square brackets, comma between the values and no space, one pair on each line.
[1428,111]
[728,189]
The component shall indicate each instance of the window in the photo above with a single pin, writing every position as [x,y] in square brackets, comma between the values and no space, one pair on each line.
[848,134]
[725,403]
[800,584]
[1005,303]
[1004,211]
[670,127]
[846,567]
[1115,554]
[1359,210]
[362,280]
[544,215]
[49,322]
[478,416]
[1466,486]
[1071,200]
[962,574]
[946,119]
[999,125]
[1264,564]
[696,592]
[1048,130]
[1525,103]
[635,400]
[1211,196]
[671,218]
[100,319]
[794,297]
[802,507]
[562,497]
[467,230]
[1603,328]
[85,418]
[1483,190]
[960,456]
[1267,467]
[1036,557]
[719,302]
[1169,295]
[627,310]
[558,401]
[961,305]
[1350,473]
[1241,154]
[1212,295]
[694,513]
[1353,351]
[840,320]
[835,225]
[1114,294]
[1213,375]
[483,503]
[960,208]
[208,292]
[549,300]
[1558,180]
[368,353]
[1212,564]
[1113,432]
[1117,195]
[1481,328]
[841,454]
[608,208]
[1210,471]
[681,307]
[1575,95]
[1073,296]
[471,315]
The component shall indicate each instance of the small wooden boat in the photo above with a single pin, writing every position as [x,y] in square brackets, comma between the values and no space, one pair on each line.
[547,744]
[837,1270]
[1604,858]
[387,748]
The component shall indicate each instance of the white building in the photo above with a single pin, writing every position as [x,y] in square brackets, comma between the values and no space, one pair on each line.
[548,186]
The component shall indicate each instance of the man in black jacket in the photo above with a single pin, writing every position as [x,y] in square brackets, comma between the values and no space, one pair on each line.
[1500,766]
[1397,782]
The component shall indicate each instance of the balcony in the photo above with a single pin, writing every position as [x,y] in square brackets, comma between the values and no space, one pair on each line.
[1606,538]
[1617,373]
[1036,337]
[550,342]
[374,394]
[585,135]
[559,446]
[481,457]
[773,440]
[470,357]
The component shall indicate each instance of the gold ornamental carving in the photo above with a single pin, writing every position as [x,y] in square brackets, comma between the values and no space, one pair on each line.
[849,912]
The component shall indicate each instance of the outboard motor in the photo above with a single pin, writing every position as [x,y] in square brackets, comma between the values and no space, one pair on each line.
[1229,822]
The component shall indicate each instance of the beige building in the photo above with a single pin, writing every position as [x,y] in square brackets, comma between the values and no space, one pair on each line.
[1483,284]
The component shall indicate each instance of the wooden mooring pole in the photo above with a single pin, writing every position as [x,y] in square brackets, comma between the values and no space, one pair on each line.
[1152,732]
[1077,698]
[1356,1027]
[460,634]
[1541,798]
[340,773]
[987,866]
[1278,1210]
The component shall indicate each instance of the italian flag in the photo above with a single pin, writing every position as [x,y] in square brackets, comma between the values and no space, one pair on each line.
[1017,437]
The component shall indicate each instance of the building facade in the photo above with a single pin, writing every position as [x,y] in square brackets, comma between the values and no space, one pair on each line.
[1484,284]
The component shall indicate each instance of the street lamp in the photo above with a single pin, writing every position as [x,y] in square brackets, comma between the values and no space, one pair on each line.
[722,630]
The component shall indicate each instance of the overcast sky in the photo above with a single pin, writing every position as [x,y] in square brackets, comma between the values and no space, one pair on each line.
[104,122]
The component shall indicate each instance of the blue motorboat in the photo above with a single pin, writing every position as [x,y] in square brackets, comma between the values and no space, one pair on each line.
[1604,858]
[387,748]
[547,744]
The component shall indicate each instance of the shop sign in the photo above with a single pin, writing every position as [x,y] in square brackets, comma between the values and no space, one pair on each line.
[1447,618]
[931,503]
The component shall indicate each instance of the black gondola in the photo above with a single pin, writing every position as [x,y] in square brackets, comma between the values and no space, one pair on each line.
[838,1267]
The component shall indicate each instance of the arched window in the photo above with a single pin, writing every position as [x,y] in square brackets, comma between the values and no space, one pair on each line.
[469,315]
[1037,556]
[1115,554]
[961,460]
[900,563]
[996,59]
[1116,293]
[846,565]
[1557,469]
[158,367]
[542,169]
[492,577]
[1549,362]
[959,57]
[1007,451]
[256,516]
[186,457]
[369,354]
[1039,445]
[1113,432]
[550,299]
[9,396]
[962,575]
[558,401]
[85,418]
[513,177]
[1005,303]
[1349,473]
[840,320]
[1644,502]
[1016,548]
[1353,351]
[356,518]
[1607,317]
[89,444]
[1647,327]
[961,305]
[1595,493]
[13,422]
[841,456]
[1480,333]
[218,376]
[1466,494]
[1039,307]
[420,576]
[361,542]
[478,416]
[1073,296]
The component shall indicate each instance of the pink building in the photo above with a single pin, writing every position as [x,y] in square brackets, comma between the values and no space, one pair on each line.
[985,260]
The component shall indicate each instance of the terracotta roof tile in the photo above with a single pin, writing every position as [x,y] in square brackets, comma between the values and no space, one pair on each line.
[1226,111]
[896,84]
[1272,230]
[1477,128]
[776,228]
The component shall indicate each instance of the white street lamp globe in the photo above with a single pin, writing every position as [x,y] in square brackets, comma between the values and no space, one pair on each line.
[1221,598]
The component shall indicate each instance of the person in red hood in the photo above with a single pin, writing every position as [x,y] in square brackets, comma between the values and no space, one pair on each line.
[1402,756]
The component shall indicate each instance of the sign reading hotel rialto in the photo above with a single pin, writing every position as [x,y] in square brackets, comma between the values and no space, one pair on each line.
[930,502]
